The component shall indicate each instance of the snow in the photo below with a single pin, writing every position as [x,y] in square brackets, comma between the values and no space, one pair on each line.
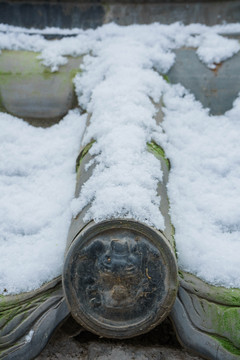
[204,187]
[121,80]
[29,336]
[160,40]
[37,179]
[124,181]
[214,49]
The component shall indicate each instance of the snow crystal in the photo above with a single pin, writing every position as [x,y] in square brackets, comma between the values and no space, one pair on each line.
[120,83]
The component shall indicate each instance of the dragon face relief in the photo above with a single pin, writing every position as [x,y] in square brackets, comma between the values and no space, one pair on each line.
[117,280]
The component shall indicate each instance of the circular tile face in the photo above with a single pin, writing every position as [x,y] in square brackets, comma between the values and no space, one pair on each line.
[116,282]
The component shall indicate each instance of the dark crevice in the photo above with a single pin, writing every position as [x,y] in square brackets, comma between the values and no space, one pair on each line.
[161,335]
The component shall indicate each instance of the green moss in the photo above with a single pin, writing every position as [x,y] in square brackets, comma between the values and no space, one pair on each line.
[10,309]
[2,108]
[106,7]
[48,74]
[23,62]
[157,149]
[4,78]
[217,294]
[225,320]
[166,78]
[21,72]
[180,274]
[83,153]
[74,72]
[173,239]
[30,79]
[227,345]
[224,295]
[6,73]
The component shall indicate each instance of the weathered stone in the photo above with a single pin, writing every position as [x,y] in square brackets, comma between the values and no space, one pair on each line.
[93,13]
[124,352]
[206,318]
[31,91]
[61,348]
[27,320]
[120,275]
[215,89]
